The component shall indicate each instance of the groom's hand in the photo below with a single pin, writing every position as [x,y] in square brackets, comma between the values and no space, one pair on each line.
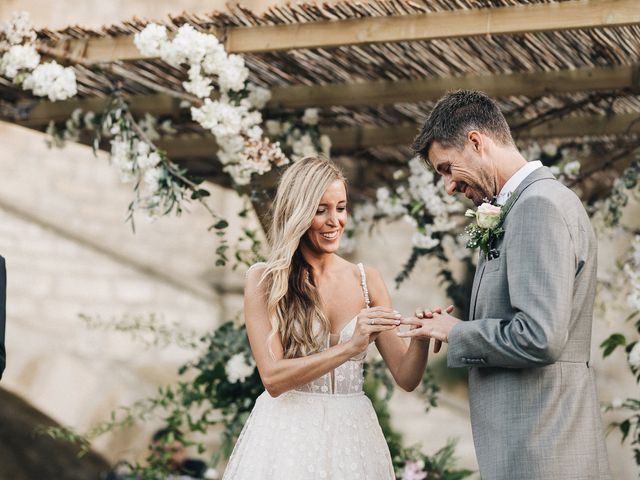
[431,324]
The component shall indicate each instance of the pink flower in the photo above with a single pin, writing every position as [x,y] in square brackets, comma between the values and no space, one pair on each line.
[413,471]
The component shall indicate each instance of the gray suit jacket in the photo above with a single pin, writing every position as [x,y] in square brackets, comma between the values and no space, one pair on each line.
[534,410]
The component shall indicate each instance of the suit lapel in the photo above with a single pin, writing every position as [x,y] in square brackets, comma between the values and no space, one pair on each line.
[542,173]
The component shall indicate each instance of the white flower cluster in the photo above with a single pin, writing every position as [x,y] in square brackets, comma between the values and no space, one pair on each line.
[238,369]
[234,117]
[566,170]
[423,198]
[53,81]
[303,140]
[21,63]
[632,271]
[137,161]
[201,51]
[256,157]
[634,356]
[16,31]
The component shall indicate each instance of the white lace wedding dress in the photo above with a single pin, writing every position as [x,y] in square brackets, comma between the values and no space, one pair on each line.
[326,429]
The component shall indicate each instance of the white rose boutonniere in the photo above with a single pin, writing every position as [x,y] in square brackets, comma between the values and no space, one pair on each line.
[488,216]
[486,230]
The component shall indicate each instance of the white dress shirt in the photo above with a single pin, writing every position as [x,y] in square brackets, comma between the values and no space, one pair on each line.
[515,180]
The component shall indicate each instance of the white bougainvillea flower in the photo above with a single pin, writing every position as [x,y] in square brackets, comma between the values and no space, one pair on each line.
[19,58]
[53,81]
[238,369]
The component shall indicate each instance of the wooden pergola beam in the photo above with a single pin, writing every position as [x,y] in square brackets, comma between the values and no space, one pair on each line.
[358,138]
[567,15]
[498,85]
[374,93]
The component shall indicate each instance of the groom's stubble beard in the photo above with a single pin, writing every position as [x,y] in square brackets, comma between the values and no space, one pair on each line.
[487,186]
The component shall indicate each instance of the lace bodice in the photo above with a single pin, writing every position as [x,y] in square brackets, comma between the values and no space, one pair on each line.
[348,378]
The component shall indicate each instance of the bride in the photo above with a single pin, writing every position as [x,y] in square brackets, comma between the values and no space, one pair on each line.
[310,317]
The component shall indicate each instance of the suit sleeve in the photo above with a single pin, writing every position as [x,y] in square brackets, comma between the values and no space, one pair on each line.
[3,303]
[540,262]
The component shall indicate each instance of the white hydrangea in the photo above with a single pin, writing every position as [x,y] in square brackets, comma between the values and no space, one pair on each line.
[550,149]
[634,356]
[19,58]
[421,240]
[274,127]
[532,152]
[302,147]
[198,85]
[325,145]
[150,40]
[364,213]
[220,117]
[53,81]
[188,46]
[258,96]
[388,204]
[571,169]
[18,30]
[311,116]
[233,75]
[238,369]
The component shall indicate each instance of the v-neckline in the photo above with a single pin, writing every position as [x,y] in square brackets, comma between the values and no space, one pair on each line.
[344,327]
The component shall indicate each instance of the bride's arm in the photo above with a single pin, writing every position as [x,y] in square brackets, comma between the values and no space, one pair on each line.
[406,364]
[279,374]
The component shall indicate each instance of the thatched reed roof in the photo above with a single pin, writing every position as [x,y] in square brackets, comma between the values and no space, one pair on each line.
[559,68]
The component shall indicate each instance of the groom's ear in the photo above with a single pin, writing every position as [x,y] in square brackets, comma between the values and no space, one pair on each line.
[476,140]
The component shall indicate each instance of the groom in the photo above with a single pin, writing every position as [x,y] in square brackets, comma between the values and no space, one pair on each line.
[534,410]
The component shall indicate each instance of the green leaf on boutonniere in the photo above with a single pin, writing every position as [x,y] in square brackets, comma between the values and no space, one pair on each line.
[488,227]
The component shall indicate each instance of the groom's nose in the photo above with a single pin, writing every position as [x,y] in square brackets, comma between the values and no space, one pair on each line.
[449,185]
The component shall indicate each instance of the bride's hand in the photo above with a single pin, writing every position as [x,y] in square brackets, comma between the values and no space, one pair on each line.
[372,322]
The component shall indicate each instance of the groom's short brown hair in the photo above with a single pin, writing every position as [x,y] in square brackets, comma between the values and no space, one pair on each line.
[455,115]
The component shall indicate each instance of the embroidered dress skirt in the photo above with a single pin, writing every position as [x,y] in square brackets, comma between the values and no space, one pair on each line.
[301,435]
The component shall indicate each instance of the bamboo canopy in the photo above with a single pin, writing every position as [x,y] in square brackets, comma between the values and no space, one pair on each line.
[560,69]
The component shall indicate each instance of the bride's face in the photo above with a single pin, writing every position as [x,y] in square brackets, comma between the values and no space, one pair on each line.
[329,221]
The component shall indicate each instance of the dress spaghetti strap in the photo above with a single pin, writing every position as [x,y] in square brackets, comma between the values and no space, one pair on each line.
[363,283]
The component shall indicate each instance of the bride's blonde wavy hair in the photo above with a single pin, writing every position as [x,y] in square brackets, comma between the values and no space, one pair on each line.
[293,301]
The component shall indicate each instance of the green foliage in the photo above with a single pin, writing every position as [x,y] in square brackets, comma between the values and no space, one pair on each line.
[628,182]
[630,427]
[614,341]
[440,466]
[206,396]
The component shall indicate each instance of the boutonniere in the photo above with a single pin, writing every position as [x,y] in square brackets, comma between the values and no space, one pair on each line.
[486,230]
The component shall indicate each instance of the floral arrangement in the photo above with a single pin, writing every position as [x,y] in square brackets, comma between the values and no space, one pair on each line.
[300,137]
[441,466]
[234,117]
[629,427]
[487,230]
[20,62]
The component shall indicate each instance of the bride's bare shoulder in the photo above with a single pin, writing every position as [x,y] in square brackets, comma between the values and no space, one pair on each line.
[254,274]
